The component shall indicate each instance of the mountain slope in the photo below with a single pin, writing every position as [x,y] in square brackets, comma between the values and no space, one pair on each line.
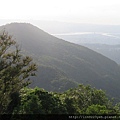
[77,62]
[110,51]
[52,79]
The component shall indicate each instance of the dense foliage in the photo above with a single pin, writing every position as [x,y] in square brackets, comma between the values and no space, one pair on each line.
[80,100]
[15,72]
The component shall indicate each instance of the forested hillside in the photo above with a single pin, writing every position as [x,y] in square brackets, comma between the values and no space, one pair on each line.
[19,101]
[78,63]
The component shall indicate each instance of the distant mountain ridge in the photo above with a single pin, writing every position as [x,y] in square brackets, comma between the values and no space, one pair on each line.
[103,43]
[55,27]
[91,38]
[77,62]
[111,51]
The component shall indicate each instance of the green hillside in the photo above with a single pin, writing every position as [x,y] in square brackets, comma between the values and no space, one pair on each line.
[52,79]
[78,63]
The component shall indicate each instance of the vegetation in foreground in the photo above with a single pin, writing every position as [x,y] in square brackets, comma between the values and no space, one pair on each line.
[80,100]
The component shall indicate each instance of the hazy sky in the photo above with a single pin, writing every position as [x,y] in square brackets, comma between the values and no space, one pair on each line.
[81,11]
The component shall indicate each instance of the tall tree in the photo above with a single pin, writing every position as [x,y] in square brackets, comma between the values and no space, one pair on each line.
[15,72]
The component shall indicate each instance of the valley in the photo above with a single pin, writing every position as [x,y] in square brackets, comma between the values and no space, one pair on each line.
[107,44]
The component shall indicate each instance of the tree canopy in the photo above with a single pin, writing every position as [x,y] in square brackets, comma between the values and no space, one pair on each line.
[15,72]
[80,100]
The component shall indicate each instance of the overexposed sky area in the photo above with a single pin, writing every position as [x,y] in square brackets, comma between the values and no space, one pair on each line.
[80,11]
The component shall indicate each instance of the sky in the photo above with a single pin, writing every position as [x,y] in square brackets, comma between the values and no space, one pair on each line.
[77,11]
